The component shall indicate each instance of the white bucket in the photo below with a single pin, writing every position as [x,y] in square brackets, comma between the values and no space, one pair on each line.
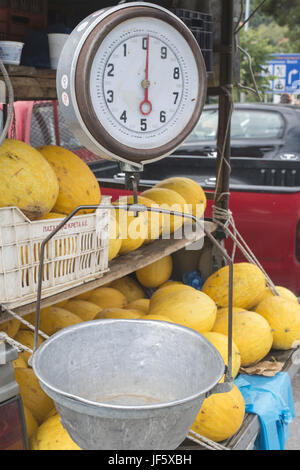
[56,43]
[10,52]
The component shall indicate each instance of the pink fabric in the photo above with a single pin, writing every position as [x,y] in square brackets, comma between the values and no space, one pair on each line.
[23,112]
[23,115]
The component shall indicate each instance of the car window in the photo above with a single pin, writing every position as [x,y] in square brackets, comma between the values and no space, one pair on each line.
[256,124]
[207,126]
[246,123]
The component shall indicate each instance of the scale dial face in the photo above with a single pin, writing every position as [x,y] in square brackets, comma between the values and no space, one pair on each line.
[143,83]
[140,83]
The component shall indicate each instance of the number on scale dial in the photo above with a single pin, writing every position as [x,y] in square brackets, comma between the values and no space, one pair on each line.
[144,82]
[169,66]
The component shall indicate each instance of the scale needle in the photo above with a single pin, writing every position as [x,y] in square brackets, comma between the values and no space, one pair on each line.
[146,106]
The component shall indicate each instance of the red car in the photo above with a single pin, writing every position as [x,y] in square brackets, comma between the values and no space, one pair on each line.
[264,183]
[267,216]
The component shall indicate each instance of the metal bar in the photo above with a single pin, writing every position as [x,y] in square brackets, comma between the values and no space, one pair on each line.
[56,122]
[216,91]
[4,116]
[139,208]
[230,300]
[225,106]
[247,13]
[207,443]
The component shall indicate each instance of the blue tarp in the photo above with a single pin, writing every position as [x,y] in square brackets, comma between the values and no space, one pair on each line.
[271,399]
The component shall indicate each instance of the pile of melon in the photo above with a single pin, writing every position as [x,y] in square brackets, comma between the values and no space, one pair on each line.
[44,181]
[261,321]
[175,194]
[50,182]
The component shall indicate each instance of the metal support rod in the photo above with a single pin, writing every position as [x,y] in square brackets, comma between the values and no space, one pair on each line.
[225,106]
[139,208]
[56,122]
[247,14]
[5,112]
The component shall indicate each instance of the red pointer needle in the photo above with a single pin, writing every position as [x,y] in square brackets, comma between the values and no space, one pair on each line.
[146,106]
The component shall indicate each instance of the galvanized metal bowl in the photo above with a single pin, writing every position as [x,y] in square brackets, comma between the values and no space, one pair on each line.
[127,384]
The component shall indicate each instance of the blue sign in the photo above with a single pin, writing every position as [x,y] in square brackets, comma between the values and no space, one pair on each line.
[284,72]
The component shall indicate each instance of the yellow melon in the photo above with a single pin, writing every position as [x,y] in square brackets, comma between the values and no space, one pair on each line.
[115,238]
[225,310]
[77,183]
[83,296]
[221,415]
[61,304]
[136,311]
[53,319]
[30,421]
[189,189]
[251,333]
[107,297]
[83,309]
[26,337]
[33,397]
[27,181]
[168,289]
[19,362]
[154,219]
[51,435]
[248,285]
[282,291]
[115,312]
[283,315]
[220,342]
[190,308]
[169,200]
[52,215]
[140,304]
[157,317]
[155,274]
[52,412]
[30,317]
[169,283]
[133,229]
[128,287]
[11,327]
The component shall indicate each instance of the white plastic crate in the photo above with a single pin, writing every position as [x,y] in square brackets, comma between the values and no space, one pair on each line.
[76,254]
